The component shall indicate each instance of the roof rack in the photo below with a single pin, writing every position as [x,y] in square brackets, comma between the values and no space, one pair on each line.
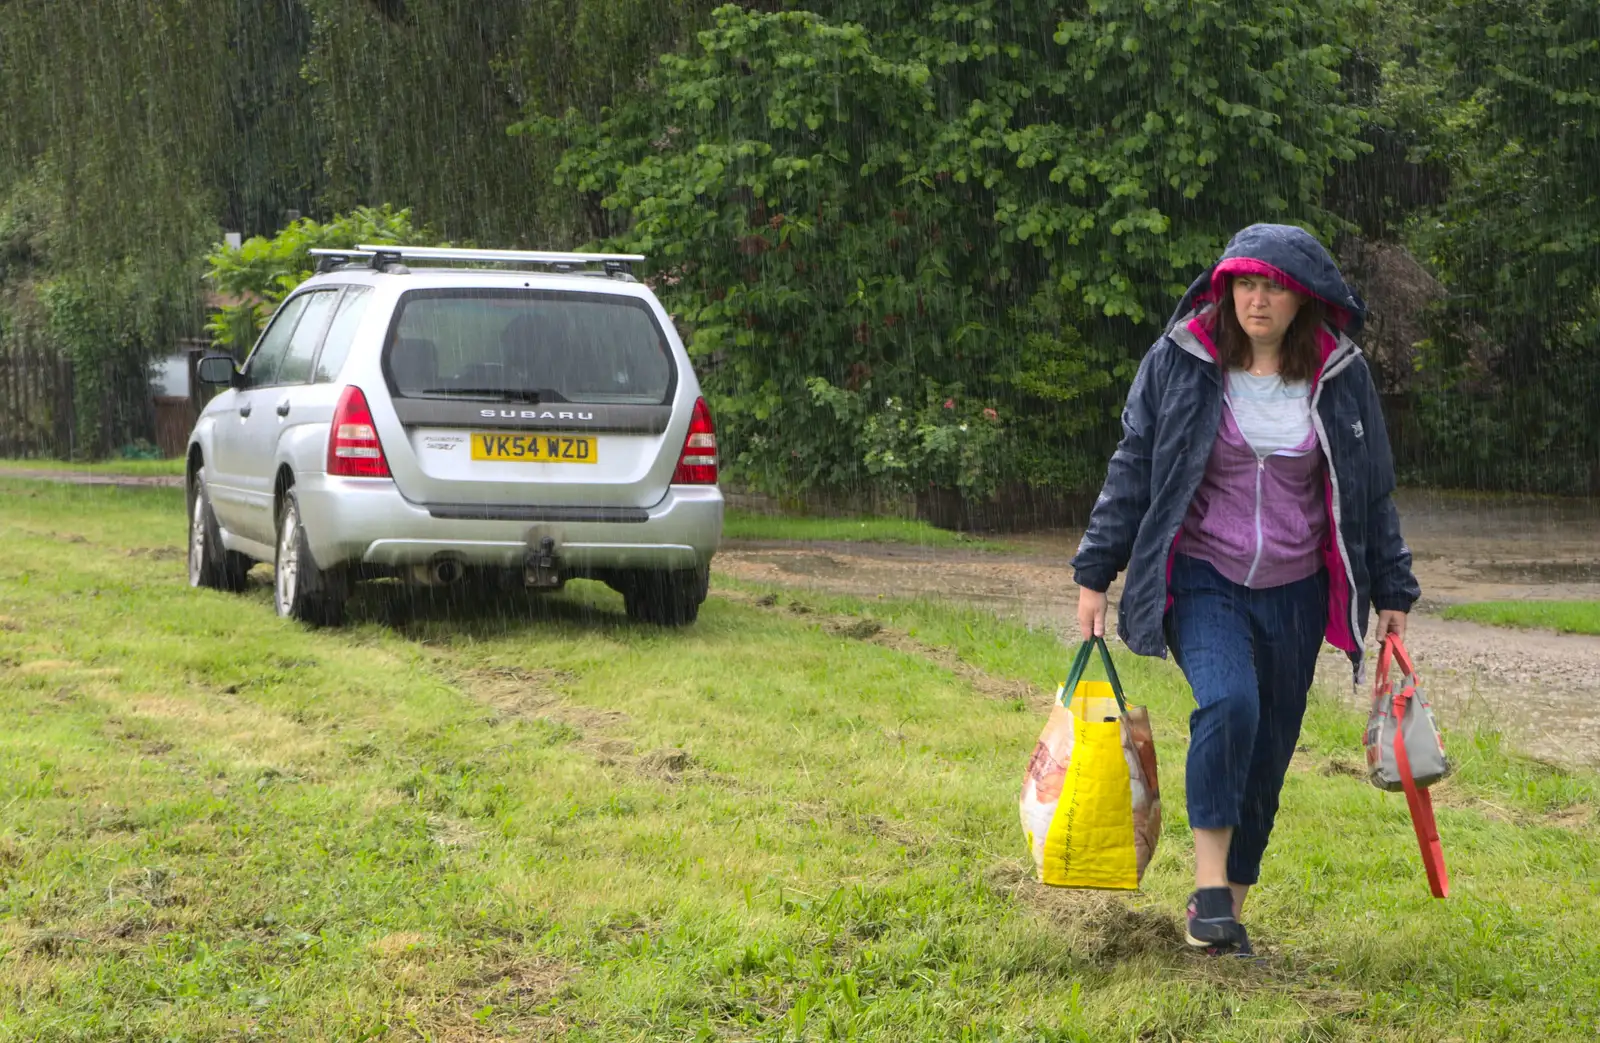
[393,258]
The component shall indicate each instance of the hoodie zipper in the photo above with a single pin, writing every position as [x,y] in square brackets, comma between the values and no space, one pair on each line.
[1261,542]
[1261,536]
[1261,470]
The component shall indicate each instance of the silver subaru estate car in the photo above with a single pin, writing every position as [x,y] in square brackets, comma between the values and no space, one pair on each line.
[521,424]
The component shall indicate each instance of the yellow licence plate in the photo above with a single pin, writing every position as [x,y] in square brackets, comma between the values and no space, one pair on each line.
[536,449]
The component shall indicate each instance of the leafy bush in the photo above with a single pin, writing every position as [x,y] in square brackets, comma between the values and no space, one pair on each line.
[1508,92]
[261,272]
[973,195]
[940,439]
[109,317]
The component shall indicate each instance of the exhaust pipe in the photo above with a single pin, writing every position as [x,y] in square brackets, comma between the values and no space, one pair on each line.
[446,571]
[440,572]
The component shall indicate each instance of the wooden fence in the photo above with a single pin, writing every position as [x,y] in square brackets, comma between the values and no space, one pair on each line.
[36,401]
[38,416]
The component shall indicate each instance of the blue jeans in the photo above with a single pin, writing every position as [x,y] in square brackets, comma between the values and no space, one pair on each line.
[1250,657]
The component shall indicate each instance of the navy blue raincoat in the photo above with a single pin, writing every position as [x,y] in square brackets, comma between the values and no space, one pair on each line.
[1171,419]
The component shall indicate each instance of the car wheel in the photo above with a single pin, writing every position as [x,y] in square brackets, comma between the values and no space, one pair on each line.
[670,599]
[211,565]
[300,590]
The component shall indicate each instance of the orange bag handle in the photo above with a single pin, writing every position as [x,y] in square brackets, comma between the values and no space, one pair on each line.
[1420,801]
[1394,650]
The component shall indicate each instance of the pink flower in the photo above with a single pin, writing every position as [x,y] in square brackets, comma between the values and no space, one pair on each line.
[949,403]
[990,414]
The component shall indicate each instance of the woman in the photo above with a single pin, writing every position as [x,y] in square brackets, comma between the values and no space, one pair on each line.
[1250,503]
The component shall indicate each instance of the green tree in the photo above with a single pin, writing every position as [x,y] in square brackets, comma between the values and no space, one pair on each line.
[136,130]
[113,113]
[1515,353]
[257,275]
[864,212]
[411,101]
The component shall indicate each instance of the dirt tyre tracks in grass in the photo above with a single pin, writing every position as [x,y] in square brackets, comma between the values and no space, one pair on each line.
[862,628]
[1541,690]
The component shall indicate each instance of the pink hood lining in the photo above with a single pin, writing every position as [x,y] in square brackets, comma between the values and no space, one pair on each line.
[1252,266]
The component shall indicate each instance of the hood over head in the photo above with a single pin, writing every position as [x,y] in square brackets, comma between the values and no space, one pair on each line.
[1294,258]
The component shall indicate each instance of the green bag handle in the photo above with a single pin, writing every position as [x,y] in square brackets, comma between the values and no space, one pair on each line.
[1080,663]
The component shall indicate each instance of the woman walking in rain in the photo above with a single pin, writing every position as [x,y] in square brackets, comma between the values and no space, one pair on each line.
[1250,502]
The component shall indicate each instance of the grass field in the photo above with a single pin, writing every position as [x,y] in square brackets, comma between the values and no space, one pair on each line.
[746,525]
[740,525]
[1566,617]
[139,468]
[796,820]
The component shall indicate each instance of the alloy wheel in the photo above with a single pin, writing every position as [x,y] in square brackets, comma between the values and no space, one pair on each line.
[197,542]
[287,578]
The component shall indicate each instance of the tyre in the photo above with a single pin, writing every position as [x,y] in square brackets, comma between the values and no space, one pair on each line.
[670,599]
[300,590]
[211,565]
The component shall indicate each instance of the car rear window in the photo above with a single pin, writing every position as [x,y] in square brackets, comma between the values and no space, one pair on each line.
[528,345]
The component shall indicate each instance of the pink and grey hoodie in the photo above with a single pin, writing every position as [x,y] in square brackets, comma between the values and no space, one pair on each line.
[1260,520]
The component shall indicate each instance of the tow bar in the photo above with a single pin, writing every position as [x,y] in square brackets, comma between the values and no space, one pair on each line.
[540,568]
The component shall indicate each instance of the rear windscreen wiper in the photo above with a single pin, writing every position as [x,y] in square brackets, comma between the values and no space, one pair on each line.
[533,395]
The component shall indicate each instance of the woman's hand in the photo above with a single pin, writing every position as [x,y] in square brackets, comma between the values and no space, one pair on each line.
[1091,613]
[1389,622]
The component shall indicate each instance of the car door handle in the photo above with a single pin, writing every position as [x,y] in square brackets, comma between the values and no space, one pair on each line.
[244,410]
[283,408]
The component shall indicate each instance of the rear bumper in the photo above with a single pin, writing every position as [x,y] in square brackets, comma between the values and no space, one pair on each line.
[366,521]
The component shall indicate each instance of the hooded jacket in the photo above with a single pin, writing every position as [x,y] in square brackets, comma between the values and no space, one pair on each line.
[1172,418]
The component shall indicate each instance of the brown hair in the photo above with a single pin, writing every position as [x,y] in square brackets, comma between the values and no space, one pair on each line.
[1301,355]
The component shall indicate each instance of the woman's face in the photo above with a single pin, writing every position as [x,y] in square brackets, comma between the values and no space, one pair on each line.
[1265,308]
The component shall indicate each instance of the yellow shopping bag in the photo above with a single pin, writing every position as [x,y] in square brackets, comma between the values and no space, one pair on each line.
[1091,800]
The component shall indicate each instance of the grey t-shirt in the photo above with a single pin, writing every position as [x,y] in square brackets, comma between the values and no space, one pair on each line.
[1273,414]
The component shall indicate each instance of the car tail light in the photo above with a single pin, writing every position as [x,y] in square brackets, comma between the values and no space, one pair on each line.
[697,465]
[353,447]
